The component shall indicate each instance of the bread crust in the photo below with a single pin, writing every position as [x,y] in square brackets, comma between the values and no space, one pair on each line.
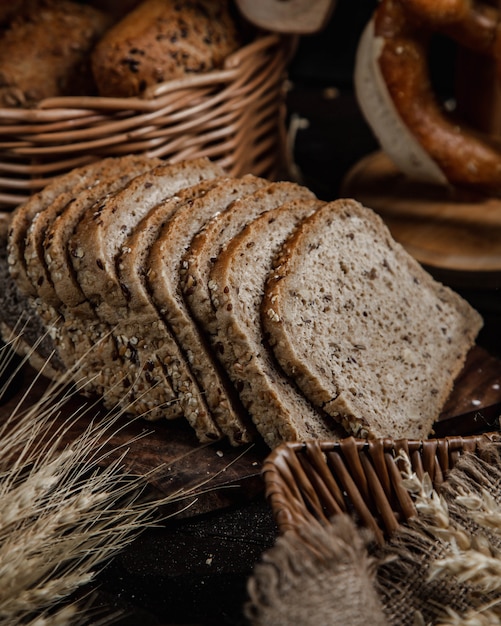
[45,51]
[238,276]
[209,242]
[162,40]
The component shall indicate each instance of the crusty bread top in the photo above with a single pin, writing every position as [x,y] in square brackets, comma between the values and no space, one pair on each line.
[161,40]
[367,334]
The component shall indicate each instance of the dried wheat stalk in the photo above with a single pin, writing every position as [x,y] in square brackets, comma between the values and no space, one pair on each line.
[62,514]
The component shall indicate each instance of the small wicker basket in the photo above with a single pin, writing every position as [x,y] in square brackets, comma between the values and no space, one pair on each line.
[234,116]
[318,480]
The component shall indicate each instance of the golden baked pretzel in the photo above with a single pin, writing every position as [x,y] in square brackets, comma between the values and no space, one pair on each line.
[424,140]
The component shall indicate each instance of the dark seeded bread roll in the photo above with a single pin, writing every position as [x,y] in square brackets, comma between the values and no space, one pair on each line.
[45,50]
[162,40]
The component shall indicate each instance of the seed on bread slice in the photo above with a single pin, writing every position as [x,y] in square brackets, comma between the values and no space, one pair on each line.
[210,240]
[238,277]
[164,264]
[365,332]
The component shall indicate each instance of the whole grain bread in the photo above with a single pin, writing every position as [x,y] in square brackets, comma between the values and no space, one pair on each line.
[70,183]
[162,40]
[279,412]
[148,345]
[45,51]
[164,264]
[20,326]
[45,245]
[365,332]
[98,240]
[205,247]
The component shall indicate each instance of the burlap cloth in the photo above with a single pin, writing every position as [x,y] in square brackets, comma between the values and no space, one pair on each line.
[442,567]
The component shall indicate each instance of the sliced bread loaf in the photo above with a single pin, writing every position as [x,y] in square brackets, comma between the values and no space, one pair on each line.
[46,263]
[20,326]
[367,334]
[237,278]
[152,357]
[69,183]
[98,240]
[205,247]
[164,264]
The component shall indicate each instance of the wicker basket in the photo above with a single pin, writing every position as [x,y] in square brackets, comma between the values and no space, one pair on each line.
[318,480]
[234,116]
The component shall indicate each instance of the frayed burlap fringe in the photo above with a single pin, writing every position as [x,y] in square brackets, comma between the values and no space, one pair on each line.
[313,576]
[407,582]
[442,568]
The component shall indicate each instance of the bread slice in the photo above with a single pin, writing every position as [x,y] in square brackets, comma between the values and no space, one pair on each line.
[69,183]
[21,293]
[42,253]
[205,247]
[152,357]
[237,278]
[164,263]
[94,247]
[20,326]
[104,228]
[365,332]
[109,175]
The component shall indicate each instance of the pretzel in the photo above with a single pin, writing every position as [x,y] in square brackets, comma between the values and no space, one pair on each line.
[395,92]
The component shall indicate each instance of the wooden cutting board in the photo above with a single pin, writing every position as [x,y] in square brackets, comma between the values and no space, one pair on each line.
[225,475]
[447,230]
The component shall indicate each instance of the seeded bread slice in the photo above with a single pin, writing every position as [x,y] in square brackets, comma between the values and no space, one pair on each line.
[19,325]
[68,183]
[102,231]
[35,252]
[367,334]
[203,250]
[238,277]
[61,289]
[47,262]
[164,262]
[149,347]
[94,247]
[109,175]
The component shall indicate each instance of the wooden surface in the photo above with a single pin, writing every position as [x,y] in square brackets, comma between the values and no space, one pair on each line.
[455,231]
[222,474]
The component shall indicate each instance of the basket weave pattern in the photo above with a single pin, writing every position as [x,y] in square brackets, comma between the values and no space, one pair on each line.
[232,116]
[315,481]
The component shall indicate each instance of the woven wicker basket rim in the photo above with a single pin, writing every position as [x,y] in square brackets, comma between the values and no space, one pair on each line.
[310,482]
[234,116]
